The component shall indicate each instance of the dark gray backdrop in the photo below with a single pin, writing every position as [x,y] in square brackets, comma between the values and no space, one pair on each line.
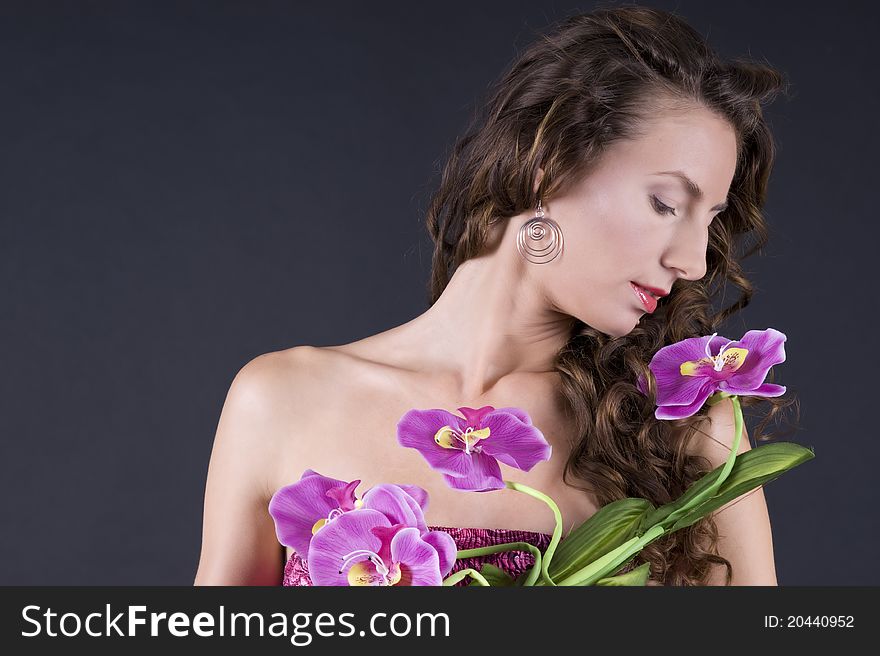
[188,185]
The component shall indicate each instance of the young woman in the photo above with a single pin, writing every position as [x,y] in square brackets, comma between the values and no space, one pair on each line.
[617,156]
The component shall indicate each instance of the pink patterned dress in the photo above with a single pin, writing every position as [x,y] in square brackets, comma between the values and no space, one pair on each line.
[296,571]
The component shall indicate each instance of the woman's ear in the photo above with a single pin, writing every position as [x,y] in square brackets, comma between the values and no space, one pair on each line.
[538,179]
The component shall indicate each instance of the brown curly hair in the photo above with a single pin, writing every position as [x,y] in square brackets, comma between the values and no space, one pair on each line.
[563,101]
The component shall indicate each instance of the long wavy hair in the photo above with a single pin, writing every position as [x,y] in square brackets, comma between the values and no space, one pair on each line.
[565,99]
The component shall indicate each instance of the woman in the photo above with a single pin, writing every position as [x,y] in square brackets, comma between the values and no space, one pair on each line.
[617,155]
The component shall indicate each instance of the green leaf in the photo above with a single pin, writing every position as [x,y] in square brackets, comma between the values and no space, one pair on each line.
[659,515]
[608,528]
[750,470]
[614,561]
[638,576]
[495,576]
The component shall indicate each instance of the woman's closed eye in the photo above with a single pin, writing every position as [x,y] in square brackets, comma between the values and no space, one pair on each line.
[662,208]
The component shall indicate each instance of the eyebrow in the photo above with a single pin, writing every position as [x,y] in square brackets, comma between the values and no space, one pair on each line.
[692,188]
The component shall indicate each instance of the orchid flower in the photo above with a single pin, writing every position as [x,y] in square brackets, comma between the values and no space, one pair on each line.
[301,509]
[466,450]
[366,548]
[690,371]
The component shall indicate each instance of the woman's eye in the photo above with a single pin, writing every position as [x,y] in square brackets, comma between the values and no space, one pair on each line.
[661,208]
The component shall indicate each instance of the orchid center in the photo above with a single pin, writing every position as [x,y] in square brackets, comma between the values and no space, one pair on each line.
[333,514]
[727,361]
[450,438]
[372,571]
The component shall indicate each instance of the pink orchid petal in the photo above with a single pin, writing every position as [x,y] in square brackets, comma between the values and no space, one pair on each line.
[395,504]
[513,442]
[765,349]
[416,429]
[474,416]
[446,547]
[295,508]
[417,493]
[519,413]
[418,560]
[485,475]
[344,495]
[681,411]
[767,389]
[417,509]
[675,389]
[347,533]
[386,535]
[672,387]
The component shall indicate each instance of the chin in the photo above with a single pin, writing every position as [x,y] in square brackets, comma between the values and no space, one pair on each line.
[611,330]
[623,331]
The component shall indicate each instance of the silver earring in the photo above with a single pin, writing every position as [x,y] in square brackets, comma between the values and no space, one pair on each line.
[539,240]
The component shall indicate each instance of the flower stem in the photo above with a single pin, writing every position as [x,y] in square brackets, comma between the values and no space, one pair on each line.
[710,491]
[737,437]
[452,579]
[557,531]
[611,561]
[508,546]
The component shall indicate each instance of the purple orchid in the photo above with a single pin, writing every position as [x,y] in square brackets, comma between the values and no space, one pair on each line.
[366,548]
[466,450]
[690,371]
[301,509]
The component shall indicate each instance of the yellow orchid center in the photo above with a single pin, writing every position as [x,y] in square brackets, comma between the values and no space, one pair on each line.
[728,360]
[333,514]
[362,574]
[449,438]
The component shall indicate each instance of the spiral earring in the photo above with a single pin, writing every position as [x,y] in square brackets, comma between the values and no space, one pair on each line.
[539,240]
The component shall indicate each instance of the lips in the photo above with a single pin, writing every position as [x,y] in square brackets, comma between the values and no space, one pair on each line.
[647,299]
[656,291]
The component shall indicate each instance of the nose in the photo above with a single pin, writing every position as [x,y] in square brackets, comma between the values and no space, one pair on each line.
[686,252]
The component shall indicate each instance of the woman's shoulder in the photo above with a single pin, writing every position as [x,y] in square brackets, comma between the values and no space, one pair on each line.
[293,380]
[275,371]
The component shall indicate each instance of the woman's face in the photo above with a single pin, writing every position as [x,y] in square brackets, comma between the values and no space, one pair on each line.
[617,229]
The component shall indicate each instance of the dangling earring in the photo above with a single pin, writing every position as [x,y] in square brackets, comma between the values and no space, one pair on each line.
[539,240]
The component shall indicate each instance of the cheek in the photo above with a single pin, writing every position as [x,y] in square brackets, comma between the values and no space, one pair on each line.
[615,245]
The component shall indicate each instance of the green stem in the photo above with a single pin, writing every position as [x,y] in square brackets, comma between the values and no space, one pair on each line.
[737,437]
[452,579]
[508,546]
[710,491]
[611,561]
[557,531]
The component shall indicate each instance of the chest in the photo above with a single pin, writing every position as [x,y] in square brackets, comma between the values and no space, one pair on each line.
[356,438]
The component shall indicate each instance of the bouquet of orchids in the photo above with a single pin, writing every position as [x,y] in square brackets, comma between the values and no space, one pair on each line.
[382,538]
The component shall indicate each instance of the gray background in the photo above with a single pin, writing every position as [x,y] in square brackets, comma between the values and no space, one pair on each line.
[188,185]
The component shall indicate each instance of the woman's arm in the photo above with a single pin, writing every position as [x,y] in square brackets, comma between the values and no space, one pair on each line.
[744,535]
[239,545]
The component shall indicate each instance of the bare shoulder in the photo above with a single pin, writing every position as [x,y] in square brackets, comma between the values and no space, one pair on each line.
[714,437]
[266,395]
[293,396]
[280,381]
[239,545]
[266,375]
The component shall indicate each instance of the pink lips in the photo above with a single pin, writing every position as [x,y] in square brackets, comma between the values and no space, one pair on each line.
[648,301]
